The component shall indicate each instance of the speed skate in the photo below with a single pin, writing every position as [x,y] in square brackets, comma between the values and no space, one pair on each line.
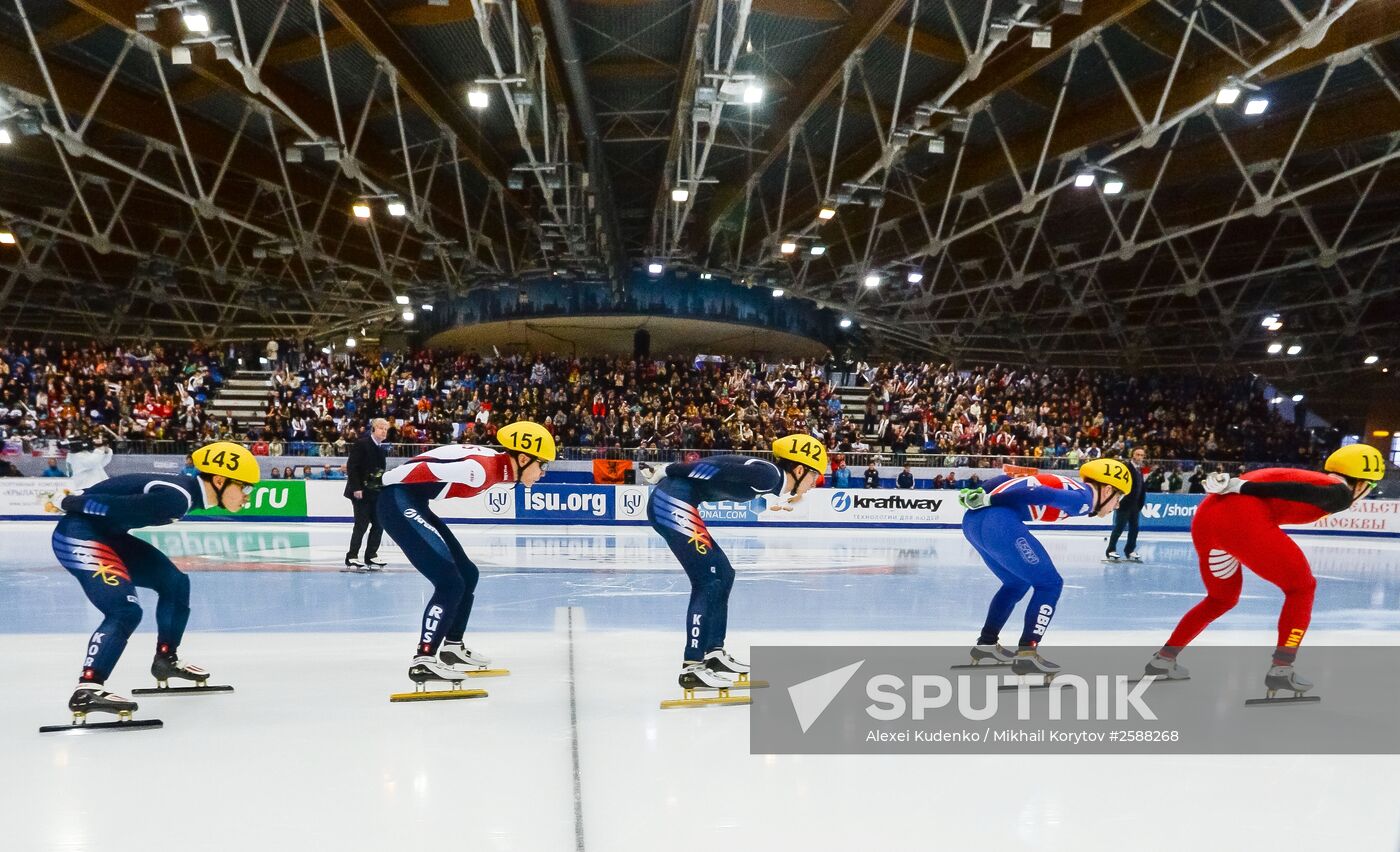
[92,698]
[697,680]
[165,670]
[425,671]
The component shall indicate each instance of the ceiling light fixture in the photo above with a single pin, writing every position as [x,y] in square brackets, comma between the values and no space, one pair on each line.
[1227,95]
[1256,106]
[1371,359]
[1084,179]
[362,210]
[788,247]
[397,208]
[656,267]
[402,300]
[873,279]
[818,250]
[196,19]
[1275,348]
[753,94]
[477,98]
[826,214]
[7,238]
[1112,186]
[845,322]
[778,292]
[680,195]
[1295,349]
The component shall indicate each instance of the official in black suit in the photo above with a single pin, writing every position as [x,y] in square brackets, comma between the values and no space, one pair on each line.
[1129,508]
[364,475]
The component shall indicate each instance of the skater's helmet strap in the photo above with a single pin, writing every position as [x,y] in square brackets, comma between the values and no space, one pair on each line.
[227,459]
[530,438]
[1110,472]
[1357,461]
[803,450]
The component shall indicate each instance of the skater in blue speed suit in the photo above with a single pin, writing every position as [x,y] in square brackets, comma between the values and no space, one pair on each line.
[93,541]
[995,526]
[674,513]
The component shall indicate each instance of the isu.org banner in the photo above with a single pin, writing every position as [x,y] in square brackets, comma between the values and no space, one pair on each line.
[911,700]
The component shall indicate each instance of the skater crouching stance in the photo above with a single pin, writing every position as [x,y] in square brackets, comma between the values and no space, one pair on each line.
[995,526]
[671,508]
[94,543]
[1238,523]
[460,470]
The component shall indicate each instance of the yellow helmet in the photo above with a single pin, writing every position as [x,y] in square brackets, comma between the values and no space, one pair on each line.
[224,458]
[1110,472]
[524,436]
[801,449]
[1358,461]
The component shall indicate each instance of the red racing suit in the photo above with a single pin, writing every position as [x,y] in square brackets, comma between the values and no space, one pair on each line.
[1234,529]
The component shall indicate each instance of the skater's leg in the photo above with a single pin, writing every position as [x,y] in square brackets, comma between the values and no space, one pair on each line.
[106,580]
[684,532]
[719,615]
[406,520]
[1013,588]
[1220,571]
[1271,554]
[151,569]
[470,575]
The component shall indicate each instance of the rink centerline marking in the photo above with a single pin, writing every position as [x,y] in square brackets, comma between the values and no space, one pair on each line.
[573,736]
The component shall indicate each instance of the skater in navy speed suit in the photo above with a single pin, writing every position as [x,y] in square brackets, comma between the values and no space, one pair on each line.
[93,541]
[674,513]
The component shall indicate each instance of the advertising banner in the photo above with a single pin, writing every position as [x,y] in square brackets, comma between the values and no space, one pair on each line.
[274,498]
[566,503]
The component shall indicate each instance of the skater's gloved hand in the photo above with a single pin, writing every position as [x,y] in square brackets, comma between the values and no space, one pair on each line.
[1221,483]
[651,474]
[72,504]
[973,498]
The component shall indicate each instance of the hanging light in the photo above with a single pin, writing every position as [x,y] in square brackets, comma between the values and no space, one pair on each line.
[1112,186]
[427,308]
[1227,95]
[788,247]
[873,279]
[362,210]
[1295,349]
[818,250]
[196,19]
[826,214]
[1275,348]
[402,300]
[753,94]
[1297,397]
[1371,359]
[656,267]
[1256,106]
[477,98]
[408,316]
[1084,179]
[350,343]
[778,292]
[915,276]
[845,322]
[680,195]
[5,137]
[7,238]
[397,208]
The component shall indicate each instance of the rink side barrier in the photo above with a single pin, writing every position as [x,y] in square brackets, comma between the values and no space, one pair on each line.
[622,505]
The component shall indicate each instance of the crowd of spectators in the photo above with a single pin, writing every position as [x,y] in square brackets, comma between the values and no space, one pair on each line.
[318,402]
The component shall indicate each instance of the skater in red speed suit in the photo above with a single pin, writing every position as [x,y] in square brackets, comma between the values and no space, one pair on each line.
[1238,524]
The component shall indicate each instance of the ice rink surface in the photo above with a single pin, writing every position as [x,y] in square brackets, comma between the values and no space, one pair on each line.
[571,752]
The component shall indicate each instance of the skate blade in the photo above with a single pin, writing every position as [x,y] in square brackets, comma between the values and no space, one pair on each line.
[488,673]
[1157,679]
[99,727]
[980,666]
[1301,699]
[712,701]
[749,684]
[184,690]
[440,695]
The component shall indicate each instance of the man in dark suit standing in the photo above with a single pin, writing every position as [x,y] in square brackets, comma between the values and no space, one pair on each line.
[364,477]
[1129,508]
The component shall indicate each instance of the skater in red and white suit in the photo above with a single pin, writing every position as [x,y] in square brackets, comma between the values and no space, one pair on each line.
[1238,524]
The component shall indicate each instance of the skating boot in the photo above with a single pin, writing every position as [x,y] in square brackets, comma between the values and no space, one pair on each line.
[353,566]
[701,676]
[460,658]
[1112,557]
[1029,662]
[164,668]
[92,698]
[720,662]
[1285,679]
[374,563]
[1133,557]
[425,670]
[1165,668]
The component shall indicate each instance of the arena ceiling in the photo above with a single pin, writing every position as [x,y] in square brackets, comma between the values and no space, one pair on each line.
[1042,182]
